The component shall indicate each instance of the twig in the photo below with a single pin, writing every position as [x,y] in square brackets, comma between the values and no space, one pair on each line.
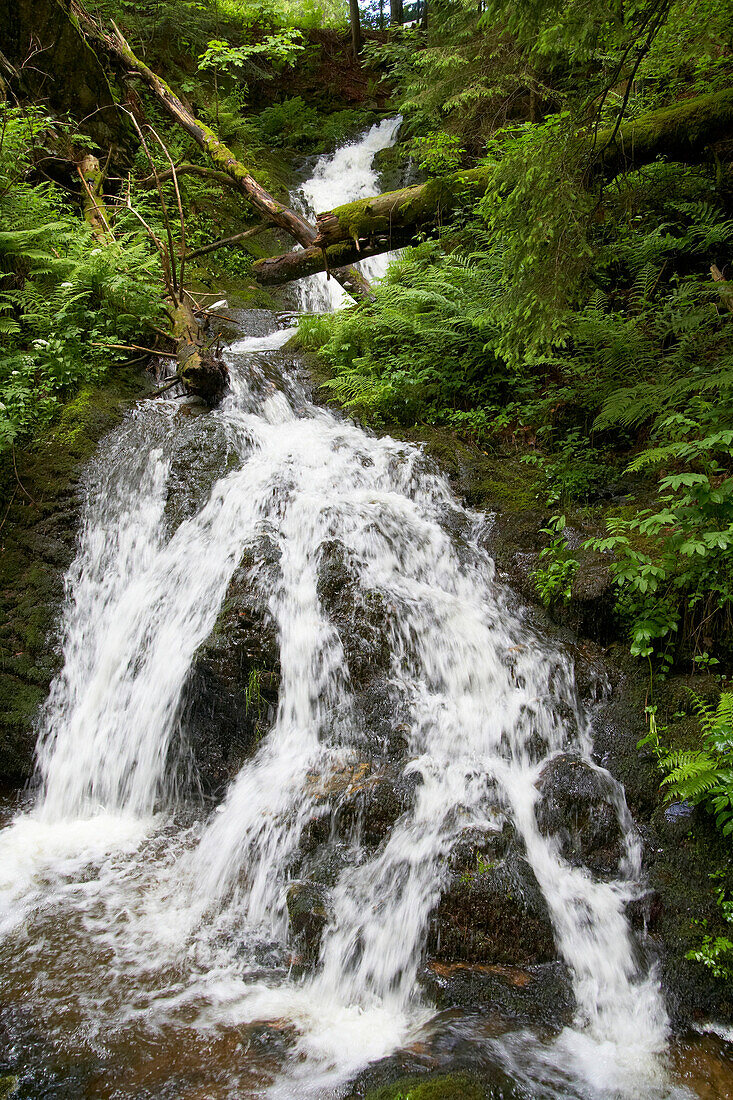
[168,386]
[10,505]
[154,238]
[127,347]
[178,200]
[164,208]
[17,478]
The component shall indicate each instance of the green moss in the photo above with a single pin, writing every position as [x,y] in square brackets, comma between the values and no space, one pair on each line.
[36,546]
[410,205]
[451,1086]
[8,1087]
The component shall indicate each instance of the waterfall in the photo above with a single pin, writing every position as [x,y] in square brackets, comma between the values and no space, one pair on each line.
[345,176]
[156,919]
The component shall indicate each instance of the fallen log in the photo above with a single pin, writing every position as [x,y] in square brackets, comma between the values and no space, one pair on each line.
[371,226]
[222,157]
[276,270]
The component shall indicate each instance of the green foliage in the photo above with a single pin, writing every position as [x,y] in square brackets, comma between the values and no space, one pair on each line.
[715,953]
[553,577]
[253,693]
[673,564]
[571,472]
[459,80]
[702,776]
[294,124]
[438,152]
[418,353]
[186,26]
[64,299]
[279,50]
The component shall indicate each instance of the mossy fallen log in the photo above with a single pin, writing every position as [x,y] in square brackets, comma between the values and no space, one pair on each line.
[683,132]
[219,153]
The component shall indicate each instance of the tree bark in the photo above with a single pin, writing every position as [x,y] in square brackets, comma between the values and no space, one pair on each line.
[280,215]
[355,27]
[396,16]
[276,270]
[370,226]
[227,242]
[200,369]
[92,200]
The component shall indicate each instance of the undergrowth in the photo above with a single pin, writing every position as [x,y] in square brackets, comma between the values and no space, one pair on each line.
[64,300]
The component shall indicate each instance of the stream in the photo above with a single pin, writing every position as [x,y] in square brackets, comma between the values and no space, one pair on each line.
[146,948]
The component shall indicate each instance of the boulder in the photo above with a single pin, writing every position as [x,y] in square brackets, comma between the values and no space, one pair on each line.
[308,915]
[578,806]
[230,697]
[361,616]
[492,910]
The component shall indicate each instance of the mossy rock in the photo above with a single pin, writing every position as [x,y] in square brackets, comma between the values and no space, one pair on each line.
[8,1087]
[452,1086]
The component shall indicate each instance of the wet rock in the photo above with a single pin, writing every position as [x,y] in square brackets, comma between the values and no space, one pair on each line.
[453,1086]
[437,1070]
[537,995]
[492,910]
[230,697]
[591,611]
[677,818]
[361,616]
[363,803]
[308,915]
[577,806]
[201,454]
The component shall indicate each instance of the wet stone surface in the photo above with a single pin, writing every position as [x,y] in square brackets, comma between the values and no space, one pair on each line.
[576,805]
[492,909]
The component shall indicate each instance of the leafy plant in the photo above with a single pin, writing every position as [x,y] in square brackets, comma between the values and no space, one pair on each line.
[716,952]
[553,577]
[66,304]
[672,563]
[705,776]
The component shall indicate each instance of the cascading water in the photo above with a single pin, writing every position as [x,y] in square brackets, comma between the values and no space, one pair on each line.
[347,175]
[133,922]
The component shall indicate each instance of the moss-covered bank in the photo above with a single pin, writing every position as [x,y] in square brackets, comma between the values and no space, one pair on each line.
[39,513]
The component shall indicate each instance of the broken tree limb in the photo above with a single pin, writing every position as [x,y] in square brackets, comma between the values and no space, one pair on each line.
[726,293]
[371,226]
[222,157]
[93,207]
[186,169]
[200,367]
[226,242]
[276,270]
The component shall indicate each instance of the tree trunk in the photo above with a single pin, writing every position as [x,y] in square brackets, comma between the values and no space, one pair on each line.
[370,226]
[92,199]
[396,17]
[280,215]
[355,28]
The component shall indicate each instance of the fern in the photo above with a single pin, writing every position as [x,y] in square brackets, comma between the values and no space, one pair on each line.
[704,776]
